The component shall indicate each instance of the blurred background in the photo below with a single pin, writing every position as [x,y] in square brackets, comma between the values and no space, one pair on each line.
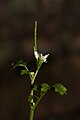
[58,35]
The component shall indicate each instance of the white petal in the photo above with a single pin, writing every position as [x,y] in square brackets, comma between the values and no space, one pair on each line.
[44,57]
[36,54]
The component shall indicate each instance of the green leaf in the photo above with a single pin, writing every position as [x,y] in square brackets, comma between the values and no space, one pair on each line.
[23,72]
[60,89]
[44,87]
[20,63]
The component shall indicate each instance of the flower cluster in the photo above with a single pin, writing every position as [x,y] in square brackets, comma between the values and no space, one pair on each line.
[41,57]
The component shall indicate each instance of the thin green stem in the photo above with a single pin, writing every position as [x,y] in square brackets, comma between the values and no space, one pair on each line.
[32,104]
[39,100]
[32,81]
[35,36]
[31,114]
[36,73]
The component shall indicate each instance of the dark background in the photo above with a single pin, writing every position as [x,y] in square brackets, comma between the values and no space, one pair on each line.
[58,35]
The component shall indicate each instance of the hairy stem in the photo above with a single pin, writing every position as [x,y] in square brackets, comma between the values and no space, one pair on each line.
[35,36]
[32,80]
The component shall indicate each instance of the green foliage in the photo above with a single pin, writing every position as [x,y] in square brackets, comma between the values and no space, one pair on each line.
[44,87]
[60,89]
[23,72]
[19,63]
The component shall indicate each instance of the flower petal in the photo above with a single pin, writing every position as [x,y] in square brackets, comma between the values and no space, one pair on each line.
[44,58]
[36,54]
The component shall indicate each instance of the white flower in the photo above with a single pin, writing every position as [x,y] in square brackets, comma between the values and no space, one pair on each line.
[44,58]
[41,56]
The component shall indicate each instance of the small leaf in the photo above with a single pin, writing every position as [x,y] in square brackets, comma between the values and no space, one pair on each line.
[60,89]
[44,87]
[19,63]
[23,72]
